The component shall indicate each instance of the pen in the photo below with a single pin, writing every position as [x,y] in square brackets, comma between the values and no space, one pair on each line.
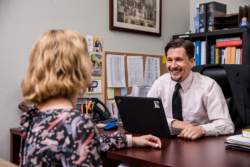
[86,107]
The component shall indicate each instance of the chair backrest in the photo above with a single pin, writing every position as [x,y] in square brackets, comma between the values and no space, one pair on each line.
[219,74]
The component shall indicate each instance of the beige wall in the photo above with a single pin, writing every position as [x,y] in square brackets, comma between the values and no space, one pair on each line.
[23,21]
[232,7]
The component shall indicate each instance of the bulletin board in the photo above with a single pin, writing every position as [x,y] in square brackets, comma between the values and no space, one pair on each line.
[117,91]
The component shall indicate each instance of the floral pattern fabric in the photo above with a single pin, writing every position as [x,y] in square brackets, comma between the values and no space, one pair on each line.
[63,137]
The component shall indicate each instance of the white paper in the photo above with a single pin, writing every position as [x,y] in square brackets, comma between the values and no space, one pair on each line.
[140,91]
[111,105]
[135,70]
[115,71]
[239,139]
[152,70]
[90,43]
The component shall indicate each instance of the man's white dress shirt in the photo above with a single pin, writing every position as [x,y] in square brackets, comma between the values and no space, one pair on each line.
[203,103]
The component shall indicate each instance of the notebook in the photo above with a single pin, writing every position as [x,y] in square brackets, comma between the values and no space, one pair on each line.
[143,115]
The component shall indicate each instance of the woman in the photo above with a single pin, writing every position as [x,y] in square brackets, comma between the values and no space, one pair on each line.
[53,132]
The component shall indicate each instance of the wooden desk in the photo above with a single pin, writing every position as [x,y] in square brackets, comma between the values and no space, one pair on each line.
[204,152]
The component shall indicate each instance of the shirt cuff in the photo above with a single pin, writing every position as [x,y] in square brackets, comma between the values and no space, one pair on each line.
[170,120]
[172,131]
[209,130]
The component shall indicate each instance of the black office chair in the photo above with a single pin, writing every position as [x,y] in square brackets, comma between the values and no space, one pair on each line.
[219,74]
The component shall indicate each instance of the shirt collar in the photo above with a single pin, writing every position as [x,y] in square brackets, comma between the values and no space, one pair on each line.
[186,83]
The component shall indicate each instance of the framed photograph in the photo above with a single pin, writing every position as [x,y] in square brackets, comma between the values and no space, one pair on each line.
[136,16]
[96,59]
[96,87]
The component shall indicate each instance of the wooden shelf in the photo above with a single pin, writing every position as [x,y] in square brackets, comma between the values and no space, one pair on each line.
[210,38]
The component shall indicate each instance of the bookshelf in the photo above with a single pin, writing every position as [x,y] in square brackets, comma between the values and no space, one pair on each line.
[210,38]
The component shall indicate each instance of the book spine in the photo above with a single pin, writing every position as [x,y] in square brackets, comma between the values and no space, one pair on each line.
[228,39]
[217,56]
[228,55]
[225,56]
[203,52]
[233,55]
[241,56]
[203,17]
[210,17]
[194,53]
[222,56]
[212,54]
[198,52]
[229,43]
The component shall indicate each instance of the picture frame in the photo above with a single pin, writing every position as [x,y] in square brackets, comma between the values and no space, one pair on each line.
[136,16]
[96,87]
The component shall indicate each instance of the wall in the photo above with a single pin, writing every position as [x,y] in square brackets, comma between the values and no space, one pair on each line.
[23,21]
[232,7]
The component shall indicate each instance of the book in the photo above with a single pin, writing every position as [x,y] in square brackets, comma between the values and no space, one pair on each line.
[194,54]
[225,56]
[241,50]
[222,58]
[214,9]
[203,53]
[246,133]
[227,39]
[198,52]
[223,44]
[212,50]
[202,17]
[217,56]
[233,55]
[228,55]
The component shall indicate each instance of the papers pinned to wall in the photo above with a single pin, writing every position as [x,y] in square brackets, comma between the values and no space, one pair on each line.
[135,70]
[115,71]
[152,70]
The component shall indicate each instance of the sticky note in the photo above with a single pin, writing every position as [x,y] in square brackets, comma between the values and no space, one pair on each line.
[124,55]
[164,60]
[124,91]
[111,93]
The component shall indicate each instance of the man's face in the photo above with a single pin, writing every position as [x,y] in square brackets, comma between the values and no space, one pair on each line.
[178,64]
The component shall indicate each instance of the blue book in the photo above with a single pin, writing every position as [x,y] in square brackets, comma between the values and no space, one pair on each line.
[198,52]
[228,39]
[212,50]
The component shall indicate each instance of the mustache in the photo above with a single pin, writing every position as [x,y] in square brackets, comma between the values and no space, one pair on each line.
[175,69]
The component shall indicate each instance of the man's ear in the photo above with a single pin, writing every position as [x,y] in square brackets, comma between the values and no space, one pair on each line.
[192,61]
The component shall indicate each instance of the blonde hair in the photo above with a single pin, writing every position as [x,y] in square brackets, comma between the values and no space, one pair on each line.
[58,67]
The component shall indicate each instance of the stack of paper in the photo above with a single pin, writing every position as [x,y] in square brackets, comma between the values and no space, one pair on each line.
[140,91]
[238,142]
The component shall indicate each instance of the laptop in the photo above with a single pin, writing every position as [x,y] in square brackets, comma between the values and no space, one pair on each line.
[143,115]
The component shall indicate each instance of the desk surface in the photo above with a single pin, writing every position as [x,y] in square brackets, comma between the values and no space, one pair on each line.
[204,152]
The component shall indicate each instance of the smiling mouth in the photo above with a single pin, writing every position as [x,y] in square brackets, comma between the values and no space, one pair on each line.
[175,71]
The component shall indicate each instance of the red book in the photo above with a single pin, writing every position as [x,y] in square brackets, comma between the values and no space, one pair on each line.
[221,44]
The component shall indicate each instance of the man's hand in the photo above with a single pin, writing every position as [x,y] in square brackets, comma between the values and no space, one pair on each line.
[192,132]
[147,140]
[188,131]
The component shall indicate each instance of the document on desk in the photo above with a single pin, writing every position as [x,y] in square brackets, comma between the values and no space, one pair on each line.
[135,70]
[152,70]
[140,91]
[115,71]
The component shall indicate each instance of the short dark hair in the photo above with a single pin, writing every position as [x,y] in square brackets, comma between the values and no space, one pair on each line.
[186,44]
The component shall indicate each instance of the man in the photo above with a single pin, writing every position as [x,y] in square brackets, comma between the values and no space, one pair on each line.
[193,103]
